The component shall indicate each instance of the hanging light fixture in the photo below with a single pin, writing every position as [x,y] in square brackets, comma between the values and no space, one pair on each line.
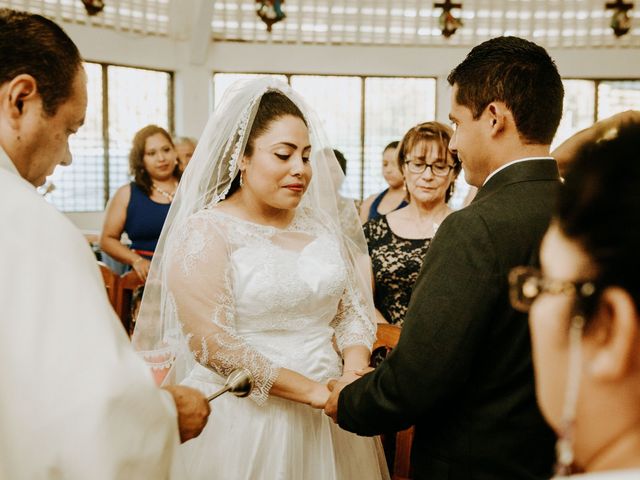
[620,20]
[93,7]
[270,11]
[448,23]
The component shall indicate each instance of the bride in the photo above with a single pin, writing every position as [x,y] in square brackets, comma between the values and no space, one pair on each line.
[253,270]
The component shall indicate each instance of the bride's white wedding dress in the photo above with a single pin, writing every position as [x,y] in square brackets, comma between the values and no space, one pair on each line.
[262,298]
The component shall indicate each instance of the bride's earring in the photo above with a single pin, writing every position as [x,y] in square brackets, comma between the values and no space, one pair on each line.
[241,178]
[564,445]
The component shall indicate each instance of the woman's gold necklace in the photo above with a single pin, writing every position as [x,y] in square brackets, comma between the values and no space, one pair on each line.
[165,194]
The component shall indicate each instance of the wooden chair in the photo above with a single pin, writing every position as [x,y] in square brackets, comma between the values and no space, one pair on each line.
[386,339]
[127,284]
[110,279]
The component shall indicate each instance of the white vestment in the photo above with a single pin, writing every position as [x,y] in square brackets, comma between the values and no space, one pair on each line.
[76,402]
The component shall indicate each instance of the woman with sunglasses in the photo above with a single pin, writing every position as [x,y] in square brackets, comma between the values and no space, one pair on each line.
[399,240]
[584,311]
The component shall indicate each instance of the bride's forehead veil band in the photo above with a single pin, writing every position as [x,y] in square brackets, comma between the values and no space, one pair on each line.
[207,180]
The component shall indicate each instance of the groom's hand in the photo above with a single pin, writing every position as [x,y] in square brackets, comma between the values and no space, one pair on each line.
[193,410]
[331,408]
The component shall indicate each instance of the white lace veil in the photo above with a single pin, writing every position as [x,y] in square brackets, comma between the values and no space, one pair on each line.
[215,164]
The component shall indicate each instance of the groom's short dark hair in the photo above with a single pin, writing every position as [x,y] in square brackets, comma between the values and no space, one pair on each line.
[519,73]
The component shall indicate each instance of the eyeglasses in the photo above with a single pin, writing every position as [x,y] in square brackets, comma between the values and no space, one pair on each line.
[527,283]
[439,169]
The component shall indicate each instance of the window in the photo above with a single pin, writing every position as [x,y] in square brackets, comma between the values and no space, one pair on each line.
[617,96]
[338,102]
[578,109]
[394,105]
[80,186]
[126,99]
[136,98]
[586,101]
[361,115]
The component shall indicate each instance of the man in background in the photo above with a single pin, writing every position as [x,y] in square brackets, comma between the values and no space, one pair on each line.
[185,146]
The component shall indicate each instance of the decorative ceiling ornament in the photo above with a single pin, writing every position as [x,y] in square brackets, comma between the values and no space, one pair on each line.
[620,20]
[448,23]
[93,7]
[270,11]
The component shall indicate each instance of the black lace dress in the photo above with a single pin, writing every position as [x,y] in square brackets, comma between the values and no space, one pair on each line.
[396,263]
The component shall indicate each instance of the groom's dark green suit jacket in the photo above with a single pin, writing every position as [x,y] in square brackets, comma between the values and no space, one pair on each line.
[462,370]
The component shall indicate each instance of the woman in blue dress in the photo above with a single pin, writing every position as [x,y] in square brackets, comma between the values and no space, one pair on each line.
[140,207]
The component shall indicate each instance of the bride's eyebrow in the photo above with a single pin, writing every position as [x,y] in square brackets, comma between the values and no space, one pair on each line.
[292,145]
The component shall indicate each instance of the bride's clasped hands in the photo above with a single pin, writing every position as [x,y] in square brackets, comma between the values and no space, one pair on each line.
[319,394]
[335,386]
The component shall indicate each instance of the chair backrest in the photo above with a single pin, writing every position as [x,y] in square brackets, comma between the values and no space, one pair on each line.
[387,337]
[110,279]
[126,286]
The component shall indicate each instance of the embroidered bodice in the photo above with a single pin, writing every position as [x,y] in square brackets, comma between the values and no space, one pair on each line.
[263,298]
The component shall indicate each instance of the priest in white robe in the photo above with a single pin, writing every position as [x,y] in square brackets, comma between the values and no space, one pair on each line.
[76,402]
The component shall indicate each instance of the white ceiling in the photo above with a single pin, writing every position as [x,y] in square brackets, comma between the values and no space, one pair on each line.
[553,23]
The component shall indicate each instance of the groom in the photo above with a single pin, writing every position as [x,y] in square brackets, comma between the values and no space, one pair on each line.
[76,402]
[462,370]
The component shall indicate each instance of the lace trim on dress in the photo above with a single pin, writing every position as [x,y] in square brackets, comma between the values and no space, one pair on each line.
[352,325]
[237,144]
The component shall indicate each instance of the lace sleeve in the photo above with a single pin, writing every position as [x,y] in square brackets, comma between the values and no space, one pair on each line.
[199,280]
[352,324]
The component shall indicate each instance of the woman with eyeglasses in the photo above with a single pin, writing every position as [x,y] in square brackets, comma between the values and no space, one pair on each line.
[399,240]
[584,311]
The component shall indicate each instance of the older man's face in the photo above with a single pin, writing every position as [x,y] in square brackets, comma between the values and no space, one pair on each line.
[47,137]
[185,152]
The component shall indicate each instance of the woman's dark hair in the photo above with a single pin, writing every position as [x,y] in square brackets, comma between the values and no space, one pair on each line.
[34,45]
[273,105]
[136,157]
[429,132]
[598,207]
[519,73]
[342,161]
